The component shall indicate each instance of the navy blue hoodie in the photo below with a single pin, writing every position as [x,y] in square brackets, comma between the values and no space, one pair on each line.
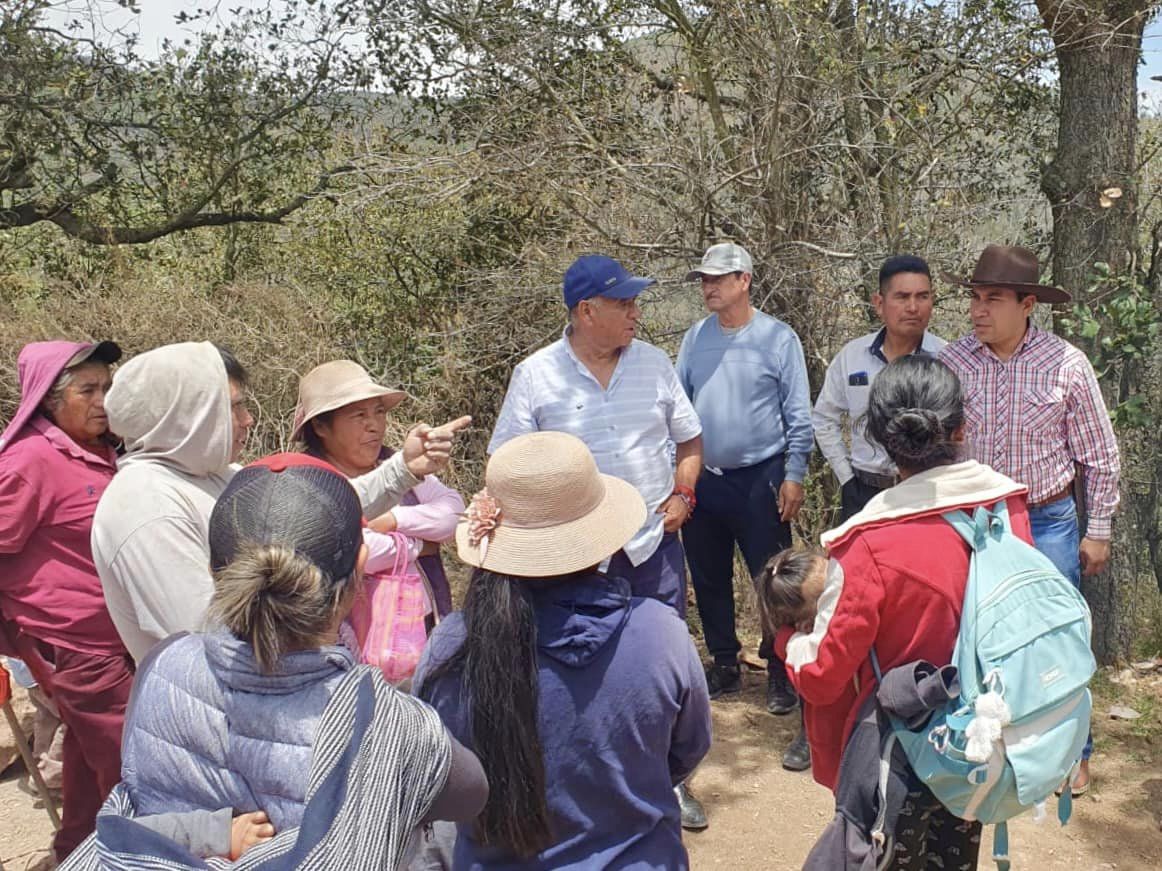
[623,716]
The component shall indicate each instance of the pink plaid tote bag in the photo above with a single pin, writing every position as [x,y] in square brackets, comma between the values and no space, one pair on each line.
[388,617]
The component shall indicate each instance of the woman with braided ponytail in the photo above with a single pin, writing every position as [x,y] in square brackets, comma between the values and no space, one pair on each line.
[895,582]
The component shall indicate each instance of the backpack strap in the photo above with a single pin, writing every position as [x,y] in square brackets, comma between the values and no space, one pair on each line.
[976,529]
[1001,846]
[1065,801]
[875,664]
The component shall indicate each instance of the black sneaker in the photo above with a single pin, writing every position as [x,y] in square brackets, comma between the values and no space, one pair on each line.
[723,679]
[797,756]
[781,696]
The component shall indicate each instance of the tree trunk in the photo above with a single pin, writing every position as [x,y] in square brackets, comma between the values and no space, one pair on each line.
[1092,189]
[1096,139]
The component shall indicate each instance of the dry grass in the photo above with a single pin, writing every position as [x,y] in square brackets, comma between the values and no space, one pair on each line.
[277,333]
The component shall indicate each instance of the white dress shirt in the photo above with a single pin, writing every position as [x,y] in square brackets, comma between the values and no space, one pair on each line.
[630,426]
[845,394]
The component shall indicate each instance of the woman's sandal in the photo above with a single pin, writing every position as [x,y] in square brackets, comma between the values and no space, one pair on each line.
[1077,791]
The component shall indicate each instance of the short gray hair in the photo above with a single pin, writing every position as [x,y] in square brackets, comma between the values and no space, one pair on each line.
[56,393]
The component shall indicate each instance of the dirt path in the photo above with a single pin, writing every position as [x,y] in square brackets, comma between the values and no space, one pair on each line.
[764,817]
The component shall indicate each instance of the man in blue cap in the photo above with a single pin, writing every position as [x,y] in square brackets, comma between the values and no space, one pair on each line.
[622,397]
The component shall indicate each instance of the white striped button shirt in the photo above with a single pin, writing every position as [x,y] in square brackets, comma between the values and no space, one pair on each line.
[629,426]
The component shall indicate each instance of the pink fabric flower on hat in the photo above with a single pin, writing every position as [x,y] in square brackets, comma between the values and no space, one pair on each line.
[483,517]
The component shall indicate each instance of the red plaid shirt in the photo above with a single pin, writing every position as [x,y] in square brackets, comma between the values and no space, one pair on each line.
[1036,415]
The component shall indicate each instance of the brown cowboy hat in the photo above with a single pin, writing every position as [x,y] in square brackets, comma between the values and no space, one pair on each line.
[1012,267]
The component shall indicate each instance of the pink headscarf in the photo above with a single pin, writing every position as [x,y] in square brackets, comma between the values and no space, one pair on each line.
[38,367]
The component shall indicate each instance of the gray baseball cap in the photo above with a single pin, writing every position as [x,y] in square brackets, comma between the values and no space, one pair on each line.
[721,259]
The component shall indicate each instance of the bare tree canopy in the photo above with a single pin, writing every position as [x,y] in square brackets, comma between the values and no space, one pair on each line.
[236,125]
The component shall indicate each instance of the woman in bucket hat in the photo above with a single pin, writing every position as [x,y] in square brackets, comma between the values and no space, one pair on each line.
[341,417]
[585,705]
[56,459]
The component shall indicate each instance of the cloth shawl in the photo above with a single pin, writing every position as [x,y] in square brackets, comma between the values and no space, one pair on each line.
[380,760]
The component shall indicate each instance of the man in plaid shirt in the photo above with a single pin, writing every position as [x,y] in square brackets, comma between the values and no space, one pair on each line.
[1034,412]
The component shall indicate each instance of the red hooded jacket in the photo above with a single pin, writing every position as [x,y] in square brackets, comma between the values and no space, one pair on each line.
[895,580]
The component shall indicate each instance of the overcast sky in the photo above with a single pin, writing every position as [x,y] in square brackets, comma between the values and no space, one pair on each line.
[155,22]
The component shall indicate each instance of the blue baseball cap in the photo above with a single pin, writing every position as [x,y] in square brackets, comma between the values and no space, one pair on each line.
[597,275]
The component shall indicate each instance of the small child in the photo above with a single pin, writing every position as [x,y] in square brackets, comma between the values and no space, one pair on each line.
[789,587]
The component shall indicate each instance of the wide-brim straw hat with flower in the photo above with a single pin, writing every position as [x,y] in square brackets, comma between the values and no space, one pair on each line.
[546,510]
[333,385]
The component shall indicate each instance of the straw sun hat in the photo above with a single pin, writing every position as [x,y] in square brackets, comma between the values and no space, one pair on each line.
[333,385]
[546,510]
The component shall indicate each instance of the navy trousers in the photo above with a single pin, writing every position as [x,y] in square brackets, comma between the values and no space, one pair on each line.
[661,577]
[738,506]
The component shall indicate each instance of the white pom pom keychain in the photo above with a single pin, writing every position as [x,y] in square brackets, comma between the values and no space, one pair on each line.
[992,715]
[993,705]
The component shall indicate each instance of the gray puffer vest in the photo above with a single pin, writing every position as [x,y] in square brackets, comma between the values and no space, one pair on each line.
[206,729]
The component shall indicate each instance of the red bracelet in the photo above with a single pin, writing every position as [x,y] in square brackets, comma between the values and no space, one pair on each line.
[686,494]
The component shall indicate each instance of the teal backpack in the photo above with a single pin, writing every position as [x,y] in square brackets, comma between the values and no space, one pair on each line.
[1023,655]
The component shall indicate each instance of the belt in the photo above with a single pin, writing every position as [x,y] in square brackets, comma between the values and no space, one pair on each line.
[881,482]
[1064,492]
[718,470]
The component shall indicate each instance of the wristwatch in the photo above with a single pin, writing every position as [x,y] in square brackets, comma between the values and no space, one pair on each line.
[686,494]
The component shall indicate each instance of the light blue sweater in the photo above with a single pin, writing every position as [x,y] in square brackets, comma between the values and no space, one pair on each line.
[751,393]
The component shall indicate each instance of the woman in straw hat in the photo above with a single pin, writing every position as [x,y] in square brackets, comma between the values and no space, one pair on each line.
[585,705]
[341,417]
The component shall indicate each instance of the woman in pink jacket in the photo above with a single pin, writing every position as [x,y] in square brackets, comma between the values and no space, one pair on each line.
[342,418]
[55,462]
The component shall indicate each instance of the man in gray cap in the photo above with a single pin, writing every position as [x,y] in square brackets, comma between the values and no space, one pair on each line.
[745,373]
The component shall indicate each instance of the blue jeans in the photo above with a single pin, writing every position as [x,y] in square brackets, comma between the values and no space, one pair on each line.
[1055,534]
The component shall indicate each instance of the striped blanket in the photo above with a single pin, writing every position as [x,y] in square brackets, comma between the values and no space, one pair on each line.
[380,759]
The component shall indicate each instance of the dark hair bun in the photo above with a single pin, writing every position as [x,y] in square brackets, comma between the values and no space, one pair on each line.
[913,432]
[914,409]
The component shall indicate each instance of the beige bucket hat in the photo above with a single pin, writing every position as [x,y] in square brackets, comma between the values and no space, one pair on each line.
[333,385]
[557,513]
